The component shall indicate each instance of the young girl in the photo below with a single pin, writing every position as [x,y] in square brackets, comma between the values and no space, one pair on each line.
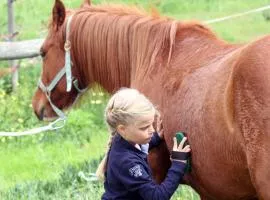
[130,116]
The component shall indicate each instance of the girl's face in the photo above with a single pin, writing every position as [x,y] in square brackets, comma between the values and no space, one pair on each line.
[138,132]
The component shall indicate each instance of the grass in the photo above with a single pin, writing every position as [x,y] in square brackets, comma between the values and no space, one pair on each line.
[46,166]
[45,161]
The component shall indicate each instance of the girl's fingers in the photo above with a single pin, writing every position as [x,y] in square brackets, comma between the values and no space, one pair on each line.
[186,148]
[161,134]
[159,125]
[182,143]
[174,144]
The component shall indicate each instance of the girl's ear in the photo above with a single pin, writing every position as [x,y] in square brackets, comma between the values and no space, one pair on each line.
[121,129]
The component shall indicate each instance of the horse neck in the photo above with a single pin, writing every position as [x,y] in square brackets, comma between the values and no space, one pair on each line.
[112,49]
[99,58]
[197,46]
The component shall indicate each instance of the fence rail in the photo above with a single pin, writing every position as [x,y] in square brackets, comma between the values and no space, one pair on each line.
[19,50]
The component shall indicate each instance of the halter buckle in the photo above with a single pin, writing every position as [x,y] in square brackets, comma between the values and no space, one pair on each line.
[67,45]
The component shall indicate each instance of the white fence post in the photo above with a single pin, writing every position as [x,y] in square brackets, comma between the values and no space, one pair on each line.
[11,27]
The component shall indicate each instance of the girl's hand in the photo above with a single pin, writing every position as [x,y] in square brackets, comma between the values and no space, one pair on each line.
[180,148]
[158,126]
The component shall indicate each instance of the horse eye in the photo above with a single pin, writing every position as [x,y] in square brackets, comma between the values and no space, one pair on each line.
[42,53]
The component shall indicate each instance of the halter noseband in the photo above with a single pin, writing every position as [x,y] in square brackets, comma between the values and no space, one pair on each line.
[65,70]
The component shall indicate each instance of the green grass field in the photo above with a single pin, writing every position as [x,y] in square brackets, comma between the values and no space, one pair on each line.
[46,166]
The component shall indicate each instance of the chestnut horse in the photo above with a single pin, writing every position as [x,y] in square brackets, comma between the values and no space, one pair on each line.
[218,93]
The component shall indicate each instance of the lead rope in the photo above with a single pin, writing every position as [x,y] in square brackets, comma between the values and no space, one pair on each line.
[57,124]
[237,15]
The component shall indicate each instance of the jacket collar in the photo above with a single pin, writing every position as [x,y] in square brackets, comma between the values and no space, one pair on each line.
[120,143]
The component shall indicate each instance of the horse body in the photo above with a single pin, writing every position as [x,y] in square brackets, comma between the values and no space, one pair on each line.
[199,102]
[223,106]
[214,91]
[205,112]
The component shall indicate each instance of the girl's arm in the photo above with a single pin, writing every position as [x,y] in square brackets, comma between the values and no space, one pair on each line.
[135,175]
[136,178]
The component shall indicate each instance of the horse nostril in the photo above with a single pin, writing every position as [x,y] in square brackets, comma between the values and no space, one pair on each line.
[40,115]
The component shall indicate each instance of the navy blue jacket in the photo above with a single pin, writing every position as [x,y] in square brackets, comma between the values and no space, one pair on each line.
[128,174]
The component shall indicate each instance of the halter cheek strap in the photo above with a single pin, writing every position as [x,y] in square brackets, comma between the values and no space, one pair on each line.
[67,56]
[65,70]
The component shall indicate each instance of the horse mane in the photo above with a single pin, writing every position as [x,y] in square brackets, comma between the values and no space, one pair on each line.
[116,39]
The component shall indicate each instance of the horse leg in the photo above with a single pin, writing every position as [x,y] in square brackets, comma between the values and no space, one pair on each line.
[202,197]
[159,161]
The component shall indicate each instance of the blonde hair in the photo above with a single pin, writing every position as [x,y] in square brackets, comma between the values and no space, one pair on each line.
[124,107]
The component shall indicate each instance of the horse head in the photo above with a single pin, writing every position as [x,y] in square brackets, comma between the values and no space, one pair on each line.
[58,86]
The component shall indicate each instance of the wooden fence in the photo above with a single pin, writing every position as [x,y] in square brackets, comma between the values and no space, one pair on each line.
[12,50]
[21,49]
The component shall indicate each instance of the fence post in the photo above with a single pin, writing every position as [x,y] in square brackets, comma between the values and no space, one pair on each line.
[11,27]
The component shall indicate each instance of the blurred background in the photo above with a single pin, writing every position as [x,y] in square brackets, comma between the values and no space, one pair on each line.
[57,164]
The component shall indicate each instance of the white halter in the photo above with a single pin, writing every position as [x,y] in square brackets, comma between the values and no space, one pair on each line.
[65,70]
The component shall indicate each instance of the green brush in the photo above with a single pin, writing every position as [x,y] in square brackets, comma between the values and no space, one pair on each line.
[179,136]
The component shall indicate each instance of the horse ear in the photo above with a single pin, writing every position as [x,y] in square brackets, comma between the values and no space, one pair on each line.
[154,11]
[86,3]
[59,13]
